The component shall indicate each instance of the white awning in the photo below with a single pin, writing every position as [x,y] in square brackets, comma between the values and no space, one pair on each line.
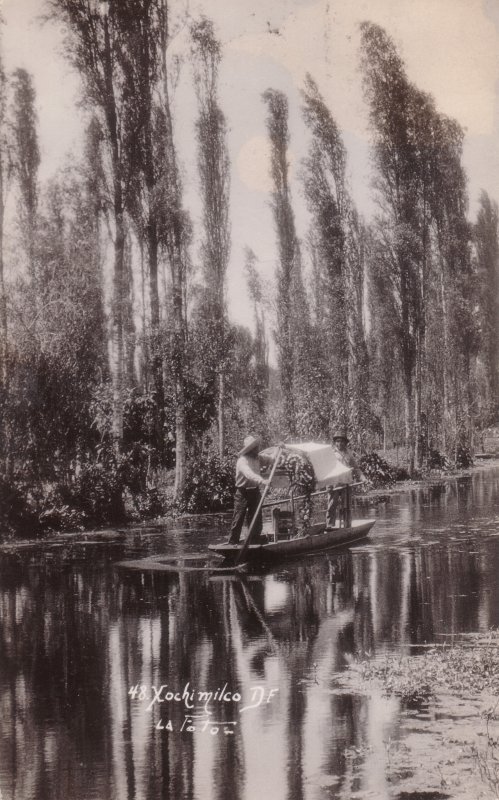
[328,469]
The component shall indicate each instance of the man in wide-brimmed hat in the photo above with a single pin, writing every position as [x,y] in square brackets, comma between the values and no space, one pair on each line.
[345,457]
[340,444]
[247,497]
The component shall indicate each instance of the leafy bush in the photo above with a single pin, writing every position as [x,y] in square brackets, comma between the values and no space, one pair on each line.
[209,485]
[94,496]
[377,470]
[464,459]
[438,460]
[59,514]
[98,492]
[17,513]
[150,503]
[400,474]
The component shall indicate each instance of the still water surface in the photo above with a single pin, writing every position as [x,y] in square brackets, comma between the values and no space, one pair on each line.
[82,645]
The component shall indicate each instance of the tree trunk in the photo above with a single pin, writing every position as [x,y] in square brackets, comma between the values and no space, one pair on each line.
[3,297]
[418,456]
[157,360]
[129,331]
[4,365]
[174,246]
[409,421]
[145,347]
[117,335]
[119,246]
[286,357]
[457,403]
[181,441]
[471,400]
[153,243]
[221,415]
[287,383]
[178,361]
[445,356]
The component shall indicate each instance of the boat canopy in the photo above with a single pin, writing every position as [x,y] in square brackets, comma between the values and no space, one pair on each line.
[328,469]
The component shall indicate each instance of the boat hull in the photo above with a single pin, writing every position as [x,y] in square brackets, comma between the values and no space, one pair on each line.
[318,538]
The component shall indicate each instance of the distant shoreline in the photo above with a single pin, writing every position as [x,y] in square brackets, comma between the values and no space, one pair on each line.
[119,533]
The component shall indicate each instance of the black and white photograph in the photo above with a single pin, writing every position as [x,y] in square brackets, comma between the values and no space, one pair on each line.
[249,400]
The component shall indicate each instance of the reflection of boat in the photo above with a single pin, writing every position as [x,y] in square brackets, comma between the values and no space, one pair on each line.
[296,526]
[194,562]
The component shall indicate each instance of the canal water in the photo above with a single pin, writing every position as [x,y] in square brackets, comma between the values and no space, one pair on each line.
[120,686]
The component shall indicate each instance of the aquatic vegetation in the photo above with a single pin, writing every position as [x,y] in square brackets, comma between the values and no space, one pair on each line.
[466,673]
[471,666]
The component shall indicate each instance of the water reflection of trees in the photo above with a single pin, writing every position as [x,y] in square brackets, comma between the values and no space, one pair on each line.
[75,637]
[53,637]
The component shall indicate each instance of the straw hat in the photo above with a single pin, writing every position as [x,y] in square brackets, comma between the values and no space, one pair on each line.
[250,443]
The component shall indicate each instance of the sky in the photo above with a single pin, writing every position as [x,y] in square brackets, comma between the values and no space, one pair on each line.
[450,48]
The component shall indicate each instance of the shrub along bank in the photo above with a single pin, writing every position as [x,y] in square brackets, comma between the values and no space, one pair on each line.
[116,490]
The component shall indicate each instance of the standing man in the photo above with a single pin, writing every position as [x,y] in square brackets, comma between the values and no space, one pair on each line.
[345,457]
[247,497]
[343,454]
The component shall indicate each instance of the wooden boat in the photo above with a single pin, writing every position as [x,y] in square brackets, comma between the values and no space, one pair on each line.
[310,542]
[296,526]
[284,534]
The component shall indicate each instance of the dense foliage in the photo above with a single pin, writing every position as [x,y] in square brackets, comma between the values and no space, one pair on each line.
[377,471]
[209,485]
[124,383]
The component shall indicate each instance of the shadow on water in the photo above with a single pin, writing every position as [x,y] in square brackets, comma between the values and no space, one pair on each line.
[246,701]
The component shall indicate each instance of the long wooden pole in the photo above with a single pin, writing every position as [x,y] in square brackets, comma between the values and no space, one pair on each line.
[247,541]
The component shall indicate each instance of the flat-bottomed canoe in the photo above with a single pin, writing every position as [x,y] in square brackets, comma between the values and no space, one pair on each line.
[315,539]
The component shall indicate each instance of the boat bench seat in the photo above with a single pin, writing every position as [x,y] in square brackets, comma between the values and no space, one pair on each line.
[282,522]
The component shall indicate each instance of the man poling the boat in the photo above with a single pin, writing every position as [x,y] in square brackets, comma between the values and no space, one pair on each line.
[247,496]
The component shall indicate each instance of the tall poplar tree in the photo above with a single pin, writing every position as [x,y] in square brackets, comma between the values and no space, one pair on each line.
[400,223]
[26,155]
[261,346]
[457,282]
[175,232]
[424,247]
[4,176]
[141,61]
[94,41]
[214,170]
[277,124]
[338,251]
[486,237]
[5,170]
